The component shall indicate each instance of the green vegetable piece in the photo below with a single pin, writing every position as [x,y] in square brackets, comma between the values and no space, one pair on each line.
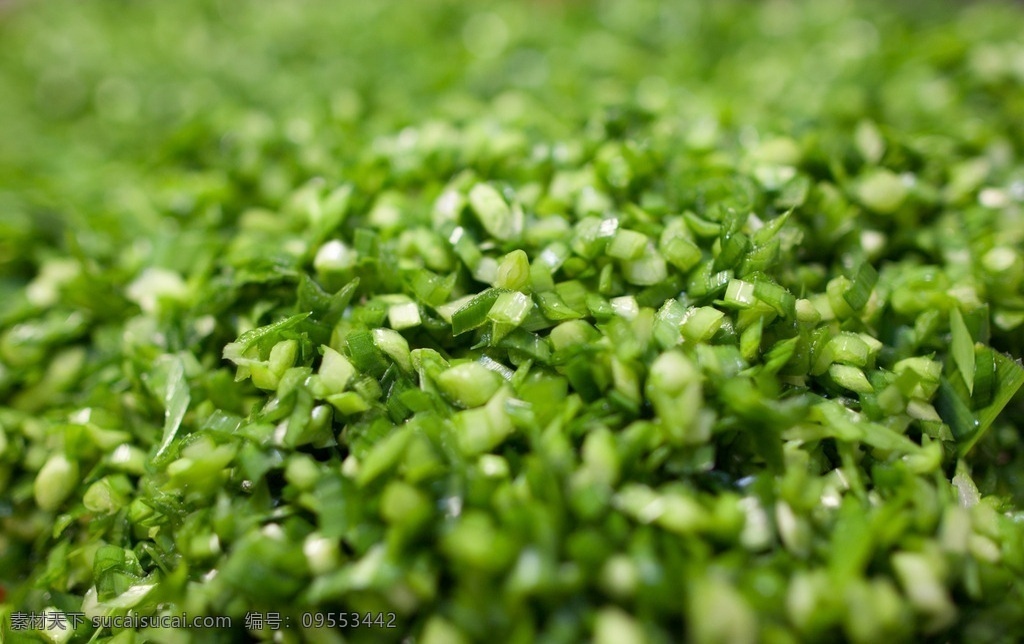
[626,244]
[55,481]
[469,384]
[674,388]
[514,271]
[649,268]
[484,428]
[860,291]
[335,371]
[882,191]
[510,308]
[473,313]
[962,348]
[404,316]
[498,219]
[176,400]
[702,323]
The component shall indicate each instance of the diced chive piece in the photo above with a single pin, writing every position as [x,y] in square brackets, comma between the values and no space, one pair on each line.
[917,574]
[984,376]
[484,428]
[836,290]
[573,293]
[348,402]
[601,456]
[447,311]
[702,227]
[486,270]
[335,371]
[962,348]
[155,287]
[54,482]
[681,253]
[465,247]
[732,249]
[467,385]
[613,625]
[510,308]
[667,323]
[869,141]
[850,378]
[473,313]
[845,348]
[554,255]
[646,270]
[859,292]
[365,355]
[625,306]
[404,316]
[920,375]
[806,312]
[440,631]
[498,219]
[104,497]
[711,597]
[514,271]
[384,455]
[739,294]
[573,333]
[282,357]
[750,340]
[702,323]
[626,244]
[555,309]
[776,296]
[882,191]
[1009,379]
[239,350]
[335,256]
[394,345]
[674,388]
[431,289]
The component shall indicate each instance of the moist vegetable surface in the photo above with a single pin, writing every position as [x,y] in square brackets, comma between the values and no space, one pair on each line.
[513,321]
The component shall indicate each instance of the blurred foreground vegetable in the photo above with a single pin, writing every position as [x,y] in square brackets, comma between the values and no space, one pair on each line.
[522,321]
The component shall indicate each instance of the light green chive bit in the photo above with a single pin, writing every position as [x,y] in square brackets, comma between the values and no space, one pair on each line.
[850,378]
[395,346]
[615,626]
[674,387]
[510,308]
[917,574]
[646,270]
[440,631]
[469,384]
[514,271]
[404,315]
[962,348]
[282,357]
[498,219]
[719,613]
[626,244]
[335,371]
[701,323]
[882,191]
[55,482]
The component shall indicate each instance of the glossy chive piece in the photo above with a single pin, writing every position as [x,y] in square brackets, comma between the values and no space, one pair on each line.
[962,348]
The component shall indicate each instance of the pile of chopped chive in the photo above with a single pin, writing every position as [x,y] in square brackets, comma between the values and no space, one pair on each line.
[625,322]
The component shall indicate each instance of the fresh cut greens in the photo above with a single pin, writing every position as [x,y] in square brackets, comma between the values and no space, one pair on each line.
[517,321]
